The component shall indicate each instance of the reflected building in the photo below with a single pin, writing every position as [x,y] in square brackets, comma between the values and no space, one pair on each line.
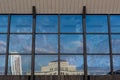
[65,69]
[16,65]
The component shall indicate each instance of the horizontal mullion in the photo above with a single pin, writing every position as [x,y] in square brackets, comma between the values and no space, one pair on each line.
[98,33]
[20,54]
[46,53]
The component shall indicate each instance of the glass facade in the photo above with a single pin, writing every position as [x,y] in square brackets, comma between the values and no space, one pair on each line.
[55,44]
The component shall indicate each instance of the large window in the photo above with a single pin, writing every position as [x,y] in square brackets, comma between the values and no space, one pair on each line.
[56,44]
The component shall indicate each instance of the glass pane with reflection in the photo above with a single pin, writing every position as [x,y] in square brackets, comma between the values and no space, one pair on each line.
[19,65]
[116,44]
[21,23]
[71,43]
[97,44]
[20,43]
[3,23]
[71,65]
[71,23]
[116,64]
[2,64]
[115,23]
[96,23]
[47,23]
[98,64]
[46,43]
[46,65]
[3,40]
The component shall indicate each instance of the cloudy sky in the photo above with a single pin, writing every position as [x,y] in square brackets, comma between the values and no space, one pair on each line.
[69,43]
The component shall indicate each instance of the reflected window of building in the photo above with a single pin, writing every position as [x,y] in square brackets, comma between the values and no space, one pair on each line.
[20,43]
[96,24]
[21,23]
[2,64]
[98,64]
[47,24]
[46,43]
[46,65]
[3,39]
[19,65]
[3,23]
[115,23]
[97,44]
[71,23]
[71,64]
[71,43]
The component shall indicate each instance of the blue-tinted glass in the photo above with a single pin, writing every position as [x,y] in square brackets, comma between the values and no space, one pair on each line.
[71,65]
[20,43]
[71,23]
[47,23]
[3,38]
[2,64]
[46,65]
[3,23]
[115,23]
[116,63]
[116,44]
[21,23]
[96,23]
[46,43]
[98,64]
[71,43]
[97,44]
[19,65]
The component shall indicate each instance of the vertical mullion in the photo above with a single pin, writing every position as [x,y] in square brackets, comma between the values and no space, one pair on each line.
[84,41]
[33,43]
[59,46]
[110,45]
[7,47]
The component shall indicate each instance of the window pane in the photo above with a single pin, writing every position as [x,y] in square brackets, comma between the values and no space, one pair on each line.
[2,64]
[3,23]
[96,23]
[20,43]
[116,44]
[71,23]
[71,43]
[46,43]
[71,65]
[97,44]
[46,65]
[3,43]
[47,23]
[116,64]
[98,64]
[115,23]
[19,65]
[21,23]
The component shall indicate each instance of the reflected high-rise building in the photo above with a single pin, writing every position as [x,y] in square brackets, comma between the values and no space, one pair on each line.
[65,69]
[16,65]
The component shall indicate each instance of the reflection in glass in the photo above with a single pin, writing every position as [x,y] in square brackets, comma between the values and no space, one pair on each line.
[3,43]
[71,43]
[19,65]
[2,64]
[46,65]
[46,43]
[20,43]
[98,64]
[3,23]
[116,44]
[21,23]
[47,23]
[71,23]
[97,44]
[71,65]
[96,23]
[116,63]
[115,23]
